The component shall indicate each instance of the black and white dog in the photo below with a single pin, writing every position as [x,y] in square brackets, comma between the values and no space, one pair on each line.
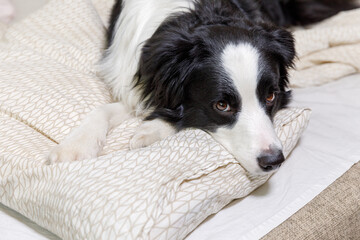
[216,65]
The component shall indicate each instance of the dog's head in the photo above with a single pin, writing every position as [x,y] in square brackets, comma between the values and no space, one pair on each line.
[226,80]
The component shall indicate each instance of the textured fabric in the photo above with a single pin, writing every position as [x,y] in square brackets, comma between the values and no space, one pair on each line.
[327,51]
[334,214]
[48,84]
[103,7]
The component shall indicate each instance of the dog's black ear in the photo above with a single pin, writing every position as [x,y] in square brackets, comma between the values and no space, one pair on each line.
[173,116]
[167,60]
[282,44]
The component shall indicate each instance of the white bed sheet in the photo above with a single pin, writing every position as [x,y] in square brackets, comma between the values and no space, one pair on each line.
[14,226]
[328,148]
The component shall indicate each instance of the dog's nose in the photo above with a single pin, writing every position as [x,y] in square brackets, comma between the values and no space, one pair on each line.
[270,160]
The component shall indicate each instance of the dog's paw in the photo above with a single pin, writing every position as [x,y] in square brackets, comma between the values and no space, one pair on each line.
[150,132]
[143,139]
[75,148]
[71,151]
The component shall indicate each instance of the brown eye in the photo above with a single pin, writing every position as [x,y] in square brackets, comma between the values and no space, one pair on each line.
[270,98]
[223,106]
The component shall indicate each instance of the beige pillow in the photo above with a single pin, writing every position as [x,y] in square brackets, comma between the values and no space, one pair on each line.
[48,83]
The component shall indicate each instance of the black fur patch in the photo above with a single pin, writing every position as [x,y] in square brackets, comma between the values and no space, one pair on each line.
[180,72]
[303,12]
[115,13]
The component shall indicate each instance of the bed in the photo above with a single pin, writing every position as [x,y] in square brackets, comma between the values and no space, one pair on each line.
[327,152]
[320,173]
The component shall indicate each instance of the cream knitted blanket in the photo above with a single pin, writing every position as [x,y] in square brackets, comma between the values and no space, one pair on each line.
[327,51]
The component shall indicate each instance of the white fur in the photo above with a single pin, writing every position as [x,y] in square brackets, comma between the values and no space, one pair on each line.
[138,21]
[253,132]
[87,140]
[150,132]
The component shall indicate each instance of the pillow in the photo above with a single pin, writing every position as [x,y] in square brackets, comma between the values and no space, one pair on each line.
[49,83]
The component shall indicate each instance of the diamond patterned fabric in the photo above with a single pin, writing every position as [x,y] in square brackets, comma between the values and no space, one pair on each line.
[48,84]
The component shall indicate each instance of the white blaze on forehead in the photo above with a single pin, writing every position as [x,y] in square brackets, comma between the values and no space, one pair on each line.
[253,131]
[241,63]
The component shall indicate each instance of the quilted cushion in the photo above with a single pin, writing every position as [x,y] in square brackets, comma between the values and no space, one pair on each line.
[48,84]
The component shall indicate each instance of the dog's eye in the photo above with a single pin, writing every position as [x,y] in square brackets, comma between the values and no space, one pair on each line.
[270,98]
[223,106]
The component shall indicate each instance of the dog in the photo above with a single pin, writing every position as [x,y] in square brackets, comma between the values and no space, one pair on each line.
[216,65]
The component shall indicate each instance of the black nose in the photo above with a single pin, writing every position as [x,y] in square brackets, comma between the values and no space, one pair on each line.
[270,160]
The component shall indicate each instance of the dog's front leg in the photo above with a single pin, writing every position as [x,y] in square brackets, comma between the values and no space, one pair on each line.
[87,140]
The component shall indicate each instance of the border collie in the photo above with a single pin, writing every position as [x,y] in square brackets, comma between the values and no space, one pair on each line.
[216,65]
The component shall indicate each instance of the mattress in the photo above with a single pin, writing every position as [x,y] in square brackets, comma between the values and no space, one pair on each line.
[326,151]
